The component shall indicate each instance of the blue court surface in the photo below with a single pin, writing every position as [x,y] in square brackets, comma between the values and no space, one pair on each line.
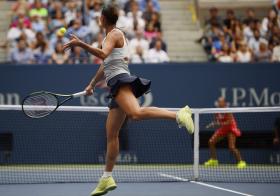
[145,189]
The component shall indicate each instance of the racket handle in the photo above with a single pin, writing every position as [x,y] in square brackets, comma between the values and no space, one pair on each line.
[79,94]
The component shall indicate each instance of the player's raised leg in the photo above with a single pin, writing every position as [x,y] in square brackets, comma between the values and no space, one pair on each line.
[129,104]
[114,123]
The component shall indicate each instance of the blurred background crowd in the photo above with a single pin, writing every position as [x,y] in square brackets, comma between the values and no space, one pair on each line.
[33,36]
[227,36]
[249,39]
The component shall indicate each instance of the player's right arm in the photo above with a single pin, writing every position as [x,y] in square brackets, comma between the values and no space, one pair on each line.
[98,76]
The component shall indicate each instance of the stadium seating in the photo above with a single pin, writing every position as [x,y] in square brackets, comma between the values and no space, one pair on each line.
[35,25]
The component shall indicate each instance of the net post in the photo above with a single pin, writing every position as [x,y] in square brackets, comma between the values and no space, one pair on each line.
[196,145]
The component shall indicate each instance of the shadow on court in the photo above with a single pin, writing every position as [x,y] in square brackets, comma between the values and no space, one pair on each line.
[144,189]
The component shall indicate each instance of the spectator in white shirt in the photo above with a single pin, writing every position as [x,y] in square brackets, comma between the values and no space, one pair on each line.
[45,2]
[134,11]
[95,14]
[254,42]
[71,12]
[272,17]
[264,54]
[248,30]
[139,55]
[243,54]
[157,55]
[276,53]
[15,32]
[225,55]
[135,20]
[139,40]
[122,22]
[94,26]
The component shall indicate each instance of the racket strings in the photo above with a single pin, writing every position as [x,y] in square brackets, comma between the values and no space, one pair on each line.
[40,105]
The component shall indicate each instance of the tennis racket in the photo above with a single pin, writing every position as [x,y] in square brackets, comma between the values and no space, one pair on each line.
[41,104]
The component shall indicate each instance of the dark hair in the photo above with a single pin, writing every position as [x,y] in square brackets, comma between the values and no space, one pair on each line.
[111,13]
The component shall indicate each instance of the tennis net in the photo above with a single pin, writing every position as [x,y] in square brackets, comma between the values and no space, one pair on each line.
[70,146]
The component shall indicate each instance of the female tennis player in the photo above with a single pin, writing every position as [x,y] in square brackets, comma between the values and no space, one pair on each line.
[228,128]
[124,90]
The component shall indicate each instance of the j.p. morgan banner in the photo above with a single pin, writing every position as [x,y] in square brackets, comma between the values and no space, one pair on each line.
[173,84]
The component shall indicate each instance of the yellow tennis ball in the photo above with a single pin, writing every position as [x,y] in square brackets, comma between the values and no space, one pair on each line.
[62,30]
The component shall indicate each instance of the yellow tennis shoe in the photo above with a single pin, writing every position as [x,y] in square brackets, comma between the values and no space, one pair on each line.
[241,165]
[184,119]
[211,163]
[104,185]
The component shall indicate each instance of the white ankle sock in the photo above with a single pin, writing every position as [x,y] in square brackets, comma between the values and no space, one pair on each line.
[106,174]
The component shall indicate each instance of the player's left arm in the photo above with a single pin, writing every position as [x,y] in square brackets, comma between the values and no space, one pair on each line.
[109,45]
[213,123]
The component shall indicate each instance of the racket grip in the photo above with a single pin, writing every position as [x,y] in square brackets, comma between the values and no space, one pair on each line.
[79,94]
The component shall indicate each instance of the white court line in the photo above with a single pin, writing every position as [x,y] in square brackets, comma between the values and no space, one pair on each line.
[203,184]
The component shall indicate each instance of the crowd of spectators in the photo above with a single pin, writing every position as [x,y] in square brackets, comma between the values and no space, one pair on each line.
[33,36]
[248,39]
